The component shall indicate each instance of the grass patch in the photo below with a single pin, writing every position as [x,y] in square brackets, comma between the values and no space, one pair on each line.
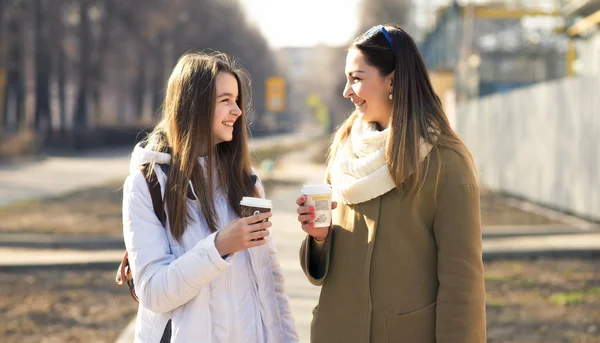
[567,299]
[495,303]
[24,143]
[94,211]
[574,298]
[533,301]
[63,306]
[488,277]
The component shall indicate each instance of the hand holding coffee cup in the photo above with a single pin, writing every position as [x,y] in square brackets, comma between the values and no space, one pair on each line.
[253,206]
[249,231]
[314,210]
[244,233]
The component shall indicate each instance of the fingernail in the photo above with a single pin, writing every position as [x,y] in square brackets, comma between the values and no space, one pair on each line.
[312,215]
[311,208]
[311,224]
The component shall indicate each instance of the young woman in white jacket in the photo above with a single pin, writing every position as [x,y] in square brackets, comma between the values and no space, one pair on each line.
[215,275]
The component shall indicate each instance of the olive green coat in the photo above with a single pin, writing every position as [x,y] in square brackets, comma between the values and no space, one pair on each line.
[392,272]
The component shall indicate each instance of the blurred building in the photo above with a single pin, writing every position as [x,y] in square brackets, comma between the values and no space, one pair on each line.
[315,78]
[479,48]
[584,29]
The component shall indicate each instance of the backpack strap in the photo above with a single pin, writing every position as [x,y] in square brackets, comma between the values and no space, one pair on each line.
[155,194]
[124,274]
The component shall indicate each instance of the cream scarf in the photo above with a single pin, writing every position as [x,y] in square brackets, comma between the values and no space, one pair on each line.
[359,171]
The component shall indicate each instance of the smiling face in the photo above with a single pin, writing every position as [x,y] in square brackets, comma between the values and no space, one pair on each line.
[368,89]
[227,110]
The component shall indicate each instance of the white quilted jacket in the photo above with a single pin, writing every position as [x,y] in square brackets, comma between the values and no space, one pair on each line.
[188,281]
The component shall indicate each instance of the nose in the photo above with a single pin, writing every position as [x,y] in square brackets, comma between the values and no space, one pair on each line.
[347,90]
[236,111]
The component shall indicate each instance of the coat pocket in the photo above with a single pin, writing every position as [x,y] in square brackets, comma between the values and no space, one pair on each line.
[417,326]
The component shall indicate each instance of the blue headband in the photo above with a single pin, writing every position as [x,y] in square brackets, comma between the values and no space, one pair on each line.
[381,28]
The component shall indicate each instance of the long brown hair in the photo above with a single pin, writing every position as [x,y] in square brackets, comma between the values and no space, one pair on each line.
[185,131]
[416,110]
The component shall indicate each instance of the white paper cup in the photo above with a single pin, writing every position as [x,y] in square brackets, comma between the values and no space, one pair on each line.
[319,197]
[251,206]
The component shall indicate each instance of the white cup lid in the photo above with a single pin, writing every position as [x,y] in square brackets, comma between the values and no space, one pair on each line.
[316,189]
[256,202]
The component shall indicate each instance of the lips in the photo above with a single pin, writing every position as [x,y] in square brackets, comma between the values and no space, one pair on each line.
[228,123]
[358,103]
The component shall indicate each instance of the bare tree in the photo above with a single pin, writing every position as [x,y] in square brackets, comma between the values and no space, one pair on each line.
[113,53]
[106,7]
[80,113]
[2,66]
[57,30]
[42,67]
[14,103]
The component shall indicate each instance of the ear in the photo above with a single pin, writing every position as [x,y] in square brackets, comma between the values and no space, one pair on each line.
[389,80]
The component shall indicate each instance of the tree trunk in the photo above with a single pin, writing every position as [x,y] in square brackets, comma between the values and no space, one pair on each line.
[43,123]
[101,53]
[80,114]
[139,90]
[158,78]
[2,66]
[14,104]
[61,79]
[122,93]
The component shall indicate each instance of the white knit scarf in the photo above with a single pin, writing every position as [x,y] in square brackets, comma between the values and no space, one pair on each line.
[359,171]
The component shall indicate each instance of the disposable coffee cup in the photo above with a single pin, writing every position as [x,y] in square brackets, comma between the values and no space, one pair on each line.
[251,206]
[319,197]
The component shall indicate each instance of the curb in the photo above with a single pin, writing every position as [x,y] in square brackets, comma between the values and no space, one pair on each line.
[569,253]
[49,241]
[104,265]
[512,231]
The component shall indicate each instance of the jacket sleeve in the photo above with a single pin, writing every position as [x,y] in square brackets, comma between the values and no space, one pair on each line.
[283,301]
[162,282]
[460,316]
[314,258]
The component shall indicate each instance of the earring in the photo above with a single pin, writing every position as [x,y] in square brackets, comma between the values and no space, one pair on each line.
[390,96]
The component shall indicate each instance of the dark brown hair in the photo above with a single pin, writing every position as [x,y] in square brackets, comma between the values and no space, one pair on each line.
[185,131]
[416,110]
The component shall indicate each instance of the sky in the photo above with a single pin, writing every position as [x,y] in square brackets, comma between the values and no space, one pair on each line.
[286,23]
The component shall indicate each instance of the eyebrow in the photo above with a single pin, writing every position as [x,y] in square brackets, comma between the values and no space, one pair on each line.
[225,94]
[355,71]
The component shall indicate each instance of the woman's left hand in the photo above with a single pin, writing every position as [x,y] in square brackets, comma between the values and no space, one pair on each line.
[306,216]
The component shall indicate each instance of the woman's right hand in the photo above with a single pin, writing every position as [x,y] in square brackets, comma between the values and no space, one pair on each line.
[244,233]
[306,216]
